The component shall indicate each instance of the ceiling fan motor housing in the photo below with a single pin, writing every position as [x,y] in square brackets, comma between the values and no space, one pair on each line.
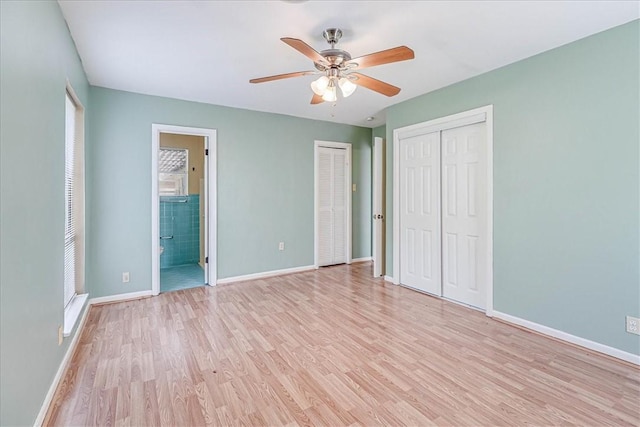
[336,58]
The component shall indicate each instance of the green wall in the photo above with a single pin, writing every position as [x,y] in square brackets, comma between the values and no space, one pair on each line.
[566,182]
[37,56]
[265,186]
[380,131]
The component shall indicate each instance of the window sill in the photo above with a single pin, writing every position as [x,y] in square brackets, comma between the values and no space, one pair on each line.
[72,313]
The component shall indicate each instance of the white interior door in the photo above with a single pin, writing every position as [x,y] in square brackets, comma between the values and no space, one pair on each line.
[332,206]
[464,211]
[420,212]
[204,210]
[378,207]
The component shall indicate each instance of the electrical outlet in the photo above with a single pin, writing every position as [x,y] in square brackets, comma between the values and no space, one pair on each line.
[125,277]
[633,325]
[281,246]
[60,335]
[353,188]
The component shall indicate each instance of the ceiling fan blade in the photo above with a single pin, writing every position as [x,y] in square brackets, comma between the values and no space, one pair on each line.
[317,99]
[375,85]
[282,76]
[396,54]
[304,49]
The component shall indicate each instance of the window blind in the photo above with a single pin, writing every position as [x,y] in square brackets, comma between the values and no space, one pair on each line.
[70,218]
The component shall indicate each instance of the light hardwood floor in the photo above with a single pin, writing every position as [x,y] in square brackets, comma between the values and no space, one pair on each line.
[331,347]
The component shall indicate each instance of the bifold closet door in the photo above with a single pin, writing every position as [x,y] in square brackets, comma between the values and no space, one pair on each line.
[464,214]
[332,206]
[420,213]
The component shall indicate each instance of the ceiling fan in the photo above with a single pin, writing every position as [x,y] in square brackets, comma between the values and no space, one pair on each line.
[339,70]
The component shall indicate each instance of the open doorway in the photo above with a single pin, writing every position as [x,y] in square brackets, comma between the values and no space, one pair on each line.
[183,208]
[182,192]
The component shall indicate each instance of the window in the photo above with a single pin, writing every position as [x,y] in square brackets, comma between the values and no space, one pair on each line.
[74,202]
[173,167]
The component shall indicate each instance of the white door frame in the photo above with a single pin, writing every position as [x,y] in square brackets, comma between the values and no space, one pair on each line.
[477,115]
[210,211]
[347,147]
[377,247]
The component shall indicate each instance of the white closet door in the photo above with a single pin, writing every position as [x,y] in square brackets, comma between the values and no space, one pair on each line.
[464,233]
[332,206]
[339,206]
[420,212]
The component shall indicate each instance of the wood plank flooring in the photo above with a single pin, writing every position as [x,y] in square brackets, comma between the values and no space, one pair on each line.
[332,347]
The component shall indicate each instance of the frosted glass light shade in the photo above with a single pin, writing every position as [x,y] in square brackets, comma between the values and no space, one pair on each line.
[330,94]
[347,86]
[320,85]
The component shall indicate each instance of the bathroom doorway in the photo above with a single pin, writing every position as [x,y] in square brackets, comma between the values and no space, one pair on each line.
[183,208]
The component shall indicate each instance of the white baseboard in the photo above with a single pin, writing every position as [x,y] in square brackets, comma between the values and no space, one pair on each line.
[363,259]
[564,336]
[120,297]
[264,274]
[61,370]
[388,279]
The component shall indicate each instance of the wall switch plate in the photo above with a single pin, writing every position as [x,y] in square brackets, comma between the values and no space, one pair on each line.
[633,325]
[353,188]
[125,277]
[281,246]
[60,335]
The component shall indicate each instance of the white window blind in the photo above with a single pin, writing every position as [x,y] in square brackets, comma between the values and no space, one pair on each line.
[74,200]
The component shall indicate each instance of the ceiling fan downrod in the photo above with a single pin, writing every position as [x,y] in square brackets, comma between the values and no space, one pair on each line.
[332,36]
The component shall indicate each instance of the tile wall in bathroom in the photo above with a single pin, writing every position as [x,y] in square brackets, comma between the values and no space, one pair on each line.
[179,220]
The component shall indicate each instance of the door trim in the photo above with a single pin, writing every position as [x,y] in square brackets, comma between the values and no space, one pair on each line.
[348,197]
[477,115]
[210,212]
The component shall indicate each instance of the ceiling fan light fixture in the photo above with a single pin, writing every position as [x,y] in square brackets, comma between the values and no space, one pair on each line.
[320,85]
[346,86]
[330,94]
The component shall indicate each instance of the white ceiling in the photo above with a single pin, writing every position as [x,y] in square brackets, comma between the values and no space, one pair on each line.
[207,51]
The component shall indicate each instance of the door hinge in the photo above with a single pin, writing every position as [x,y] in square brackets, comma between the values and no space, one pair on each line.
[206,260]
[206,151]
